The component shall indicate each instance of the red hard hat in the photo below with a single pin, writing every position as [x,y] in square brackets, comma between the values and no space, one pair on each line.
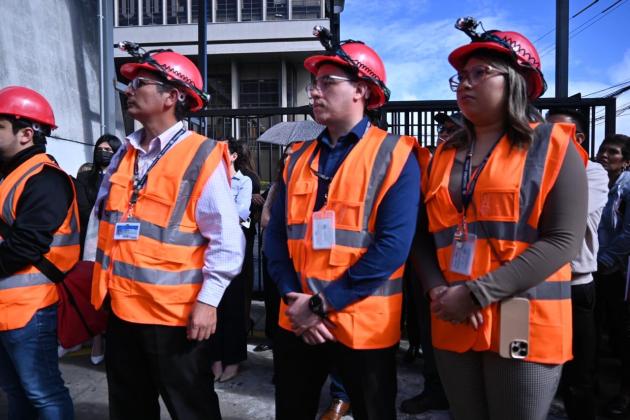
[176,68]
[513,45]
[21,102]
[368,64]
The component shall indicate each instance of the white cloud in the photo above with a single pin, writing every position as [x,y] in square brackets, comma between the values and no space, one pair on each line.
[621,72]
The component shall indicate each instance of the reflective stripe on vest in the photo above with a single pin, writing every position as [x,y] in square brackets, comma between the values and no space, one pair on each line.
[23,280]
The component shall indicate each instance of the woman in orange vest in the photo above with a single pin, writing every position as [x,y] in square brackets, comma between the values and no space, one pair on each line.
[506,206]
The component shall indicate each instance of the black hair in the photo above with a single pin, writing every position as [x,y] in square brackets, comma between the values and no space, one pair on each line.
[115,143]
[17,124]
[578,117]
[181,107]
[620,140]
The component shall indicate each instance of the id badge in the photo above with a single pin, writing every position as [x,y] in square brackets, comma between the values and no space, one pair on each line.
[463,254]
[324,229]
[127,231]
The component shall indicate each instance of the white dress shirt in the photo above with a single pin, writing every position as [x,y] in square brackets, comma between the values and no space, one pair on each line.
[216,215]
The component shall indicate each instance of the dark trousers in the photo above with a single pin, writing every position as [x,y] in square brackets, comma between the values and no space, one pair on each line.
[272,302]
[369,377]
[612,314]
[577,384]
[410,316]
[144,361]
[248,274]
[432,382]
[229,343]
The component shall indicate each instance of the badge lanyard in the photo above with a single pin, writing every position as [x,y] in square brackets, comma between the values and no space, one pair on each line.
[325,179]
[139,183]
[469,182]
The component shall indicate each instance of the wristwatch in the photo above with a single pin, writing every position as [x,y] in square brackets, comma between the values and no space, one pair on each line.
[316,305]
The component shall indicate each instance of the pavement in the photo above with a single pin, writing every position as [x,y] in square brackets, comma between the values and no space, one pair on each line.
[248,396]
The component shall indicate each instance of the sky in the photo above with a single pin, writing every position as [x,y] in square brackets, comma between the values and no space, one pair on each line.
[414,38]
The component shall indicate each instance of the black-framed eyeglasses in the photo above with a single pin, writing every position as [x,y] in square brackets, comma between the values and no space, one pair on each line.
[324,83]
[138,82]
[474,76]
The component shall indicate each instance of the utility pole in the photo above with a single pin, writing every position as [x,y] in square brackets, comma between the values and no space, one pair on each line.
[202,51]
[562,48]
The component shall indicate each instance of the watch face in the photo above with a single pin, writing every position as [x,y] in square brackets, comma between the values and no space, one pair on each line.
[315,304]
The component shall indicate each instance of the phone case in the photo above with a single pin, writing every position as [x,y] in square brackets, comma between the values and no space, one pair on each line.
[514,328]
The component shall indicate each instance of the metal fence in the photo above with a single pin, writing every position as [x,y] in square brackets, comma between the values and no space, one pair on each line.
[414,118]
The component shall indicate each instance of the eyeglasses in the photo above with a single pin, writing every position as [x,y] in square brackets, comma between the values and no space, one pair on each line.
[325,82]
[474,76]
[138,82]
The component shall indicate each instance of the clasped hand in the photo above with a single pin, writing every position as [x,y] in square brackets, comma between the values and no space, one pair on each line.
[453,304]
[312,328]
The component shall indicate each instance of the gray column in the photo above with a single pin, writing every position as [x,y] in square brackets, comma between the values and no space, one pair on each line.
[239,5]
[264,10]
[214,11]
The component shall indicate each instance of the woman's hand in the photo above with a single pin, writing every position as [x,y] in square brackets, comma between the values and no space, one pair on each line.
[455,305]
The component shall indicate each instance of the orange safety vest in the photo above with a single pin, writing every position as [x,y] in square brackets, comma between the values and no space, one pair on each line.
[28,290]
[156,279]
[504,214]
[355,193]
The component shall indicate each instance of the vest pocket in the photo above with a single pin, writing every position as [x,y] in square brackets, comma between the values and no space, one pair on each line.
[497,204]
[154,209]
[299,200]
[348,214]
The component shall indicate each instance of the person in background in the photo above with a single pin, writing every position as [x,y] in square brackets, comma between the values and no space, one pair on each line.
[448,124]
[506,205]
[90,181]
[244,163]
[612,260]
[40,220]
[229,344]
[577,384]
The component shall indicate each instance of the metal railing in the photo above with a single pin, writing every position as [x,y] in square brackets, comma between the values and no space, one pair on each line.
[413,118]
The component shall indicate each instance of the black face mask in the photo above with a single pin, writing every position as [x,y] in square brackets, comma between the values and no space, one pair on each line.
[102,157]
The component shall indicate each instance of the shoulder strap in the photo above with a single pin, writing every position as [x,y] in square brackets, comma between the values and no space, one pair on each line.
[44,265]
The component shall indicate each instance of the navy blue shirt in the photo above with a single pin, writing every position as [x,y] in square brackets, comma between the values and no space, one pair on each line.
[395,227]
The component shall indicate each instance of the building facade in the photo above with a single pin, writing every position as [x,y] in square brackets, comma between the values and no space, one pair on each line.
[255,47]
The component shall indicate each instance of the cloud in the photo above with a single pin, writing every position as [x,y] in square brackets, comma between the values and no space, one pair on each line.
[621,72]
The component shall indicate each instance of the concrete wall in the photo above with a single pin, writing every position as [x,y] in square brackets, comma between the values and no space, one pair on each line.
[52,46]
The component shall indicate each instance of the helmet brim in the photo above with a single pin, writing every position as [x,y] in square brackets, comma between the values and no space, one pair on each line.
[130,70]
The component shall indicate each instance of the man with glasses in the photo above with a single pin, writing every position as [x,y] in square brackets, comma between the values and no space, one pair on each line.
[339,235]
[169,242]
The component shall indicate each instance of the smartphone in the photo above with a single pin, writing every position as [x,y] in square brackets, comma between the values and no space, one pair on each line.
[514,328]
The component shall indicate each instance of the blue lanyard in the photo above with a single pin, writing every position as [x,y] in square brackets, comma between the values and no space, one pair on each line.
[470,178]
[138,184]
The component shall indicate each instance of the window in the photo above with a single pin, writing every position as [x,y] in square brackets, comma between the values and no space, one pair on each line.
[277,10]
[196,7]
[259,93]
[220,90]
[226,11]
[306,9]
[127,12]
[152,13]
[176,11]
[251,10]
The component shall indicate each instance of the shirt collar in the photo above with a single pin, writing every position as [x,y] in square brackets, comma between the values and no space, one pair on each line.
[353,136]
[237,175]
[135,138]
